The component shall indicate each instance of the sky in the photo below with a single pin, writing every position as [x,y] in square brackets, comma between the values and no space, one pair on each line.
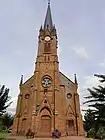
[81,45]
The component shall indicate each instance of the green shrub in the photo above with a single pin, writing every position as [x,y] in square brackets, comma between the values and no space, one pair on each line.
[1,126]
[101,133]
[91,133]
[3,135]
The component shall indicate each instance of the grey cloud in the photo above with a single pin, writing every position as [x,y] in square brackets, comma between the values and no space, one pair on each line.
[82,23]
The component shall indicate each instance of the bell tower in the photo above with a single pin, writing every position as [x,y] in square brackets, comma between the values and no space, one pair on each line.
[47,36]
[47,78]
[47,65]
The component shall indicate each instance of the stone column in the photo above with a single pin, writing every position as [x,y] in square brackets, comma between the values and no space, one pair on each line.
[79,116]
[18,113]
[15,123]
[34,92]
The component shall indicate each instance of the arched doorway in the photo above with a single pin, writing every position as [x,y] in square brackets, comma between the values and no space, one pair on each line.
[70,127]
[45,124]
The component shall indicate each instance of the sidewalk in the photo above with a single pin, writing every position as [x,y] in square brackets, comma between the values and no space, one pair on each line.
[62,138]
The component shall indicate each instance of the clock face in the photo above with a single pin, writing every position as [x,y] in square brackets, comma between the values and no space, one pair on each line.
[47,38]
[46,82]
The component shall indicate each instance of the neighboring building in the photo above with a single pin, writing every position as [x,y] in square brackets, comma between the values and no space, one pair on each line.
[48,100]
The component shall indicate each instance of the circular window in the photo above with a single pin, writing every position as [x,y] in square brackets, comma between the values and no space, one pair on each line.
[69,95]
[27,96]
[46,81]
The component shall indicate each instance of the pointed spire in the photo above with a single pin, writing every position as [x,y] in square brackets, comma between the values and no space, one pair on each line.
[48,19]
[75,79]
[21,80]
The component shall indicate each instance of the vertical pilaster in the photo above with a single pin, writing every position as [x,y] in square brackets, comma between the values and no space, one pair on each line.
[34,92]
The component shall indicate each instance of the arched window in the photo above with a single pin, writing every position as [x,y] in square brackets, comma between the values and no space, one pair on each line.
[23,125]
[47,47]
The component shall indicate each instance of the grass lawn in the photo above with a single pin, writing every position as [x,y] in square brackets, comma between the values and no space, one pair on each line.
[4,134]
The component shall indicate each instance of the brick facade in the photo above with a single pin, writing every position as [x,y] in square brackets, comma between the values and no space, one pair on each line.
[48,100]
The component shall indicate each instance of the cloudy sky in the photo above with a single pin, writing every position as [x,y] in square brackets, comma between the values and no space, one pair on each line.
[81,32]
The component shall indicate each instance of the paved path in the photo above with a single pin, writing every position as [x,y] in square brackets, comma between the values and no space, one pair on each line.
[62,138]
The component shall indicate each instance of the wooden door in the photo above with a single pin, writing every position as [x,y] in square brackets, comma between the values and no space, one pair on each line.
[45,124]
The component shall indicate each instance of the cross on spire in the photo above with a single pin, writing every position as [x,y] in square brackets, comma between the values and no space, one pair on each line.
[48,2]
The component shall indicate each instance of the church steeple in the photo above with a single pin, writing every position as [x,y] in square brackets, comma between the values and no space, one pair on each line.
[48,19]
[47,36]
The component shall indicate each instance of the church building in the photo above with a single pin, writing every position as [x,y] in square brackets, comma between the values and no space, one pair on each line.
[48,100]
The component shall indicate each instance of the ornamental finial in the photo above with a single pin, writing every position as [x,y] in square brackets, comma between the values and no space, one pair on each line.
[48,2]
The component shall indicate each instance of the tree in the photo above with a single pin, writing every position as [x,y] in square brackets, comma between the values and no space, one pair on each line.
[96,99]
[89,119]
[7,120]
[4,99]
[1,125]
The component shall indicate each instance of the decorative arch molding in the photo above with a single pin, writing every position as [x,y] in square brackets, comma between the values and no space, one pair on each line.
[45,111]
[45,116]
[69,111]
[45,107]
[24,119]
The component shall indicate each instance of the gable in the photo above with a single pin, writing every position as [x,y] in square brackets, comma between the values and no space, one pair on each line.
[69,111]
[69,87]
[45,106]
[65,80]
[29,82]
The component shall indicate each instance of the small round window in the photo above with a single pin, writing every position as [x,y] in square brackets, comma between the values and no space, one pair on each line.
[27,96]
[69,95]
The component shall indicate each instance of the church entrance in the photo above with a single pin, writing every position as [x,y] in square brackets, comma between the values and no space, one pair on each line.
[45,124]
[70,127]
